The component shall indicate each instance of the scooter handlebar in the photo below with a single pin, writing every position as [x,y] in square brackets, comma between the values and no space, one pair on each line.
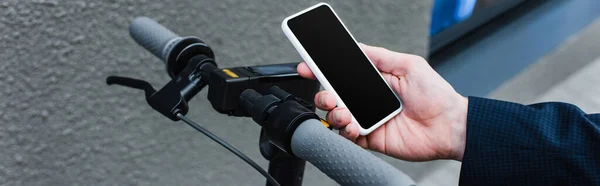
[342,160]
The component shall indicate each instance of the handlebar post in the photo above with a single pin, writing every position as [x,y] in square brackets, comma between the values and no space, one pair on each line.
[286,169]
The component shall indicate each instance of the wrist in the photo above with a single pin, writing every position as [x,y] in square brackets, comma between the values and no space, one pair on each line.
[459,129]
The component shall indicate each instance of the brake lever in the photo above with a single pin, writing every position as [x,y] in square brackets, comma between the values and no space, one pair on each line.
[131,83]
[172,99]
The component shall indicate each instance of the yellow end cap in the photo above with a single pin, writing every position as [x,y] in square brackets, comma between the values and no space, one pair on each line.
[325,123]
[230,73]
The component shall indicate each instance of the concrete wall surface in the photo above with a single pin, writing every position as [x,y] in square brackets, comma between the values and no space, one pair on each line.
[60,124]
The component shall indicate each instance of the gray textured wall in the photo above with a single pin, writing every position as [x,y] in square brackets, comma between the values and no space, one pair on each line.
[61,125]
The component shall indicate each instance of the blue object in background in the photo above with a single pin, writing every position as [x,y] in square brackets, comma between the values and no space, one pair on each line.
[449,12]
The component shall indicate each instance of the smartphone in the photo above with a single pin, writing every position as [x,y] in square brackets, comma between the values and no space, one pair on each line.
[341,66]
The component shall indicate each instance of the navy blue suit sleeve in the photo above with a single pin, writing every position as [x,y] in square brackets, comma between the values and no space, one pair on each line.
[541,144]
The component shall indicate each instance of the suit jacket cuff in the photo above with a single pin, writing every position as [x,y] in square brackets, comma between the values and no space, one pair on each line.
[486,119]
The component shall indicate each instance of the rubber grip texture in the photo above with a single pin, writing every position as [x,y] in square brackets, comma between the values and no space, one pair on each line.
[151,35]
[342,160]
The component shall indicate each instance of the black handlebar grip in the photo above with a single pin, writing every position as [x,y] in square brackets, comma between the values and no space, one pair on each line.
[152,36]
[342,160]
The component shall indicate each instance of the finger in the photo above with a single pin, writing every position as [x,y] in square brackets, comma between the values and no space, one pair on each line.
[339,117]
[362,142]
[324,100]
[389,61]
[350,132]
[304,71]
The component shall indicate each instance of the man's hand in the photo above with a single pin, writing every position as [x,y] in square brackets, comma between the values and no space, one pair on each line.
[432,124]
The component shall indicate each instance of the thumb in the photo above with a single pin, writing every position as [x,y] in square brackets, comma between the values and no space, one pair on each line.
[389,61]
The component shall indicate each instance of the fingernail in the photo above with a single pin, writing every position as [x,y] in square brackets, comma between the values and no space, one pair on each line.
[347,129]
[337,116]
[322,100]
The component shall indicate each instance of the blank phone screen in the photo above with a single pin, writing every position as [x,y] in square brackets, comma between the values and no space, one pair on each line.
[344,65]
